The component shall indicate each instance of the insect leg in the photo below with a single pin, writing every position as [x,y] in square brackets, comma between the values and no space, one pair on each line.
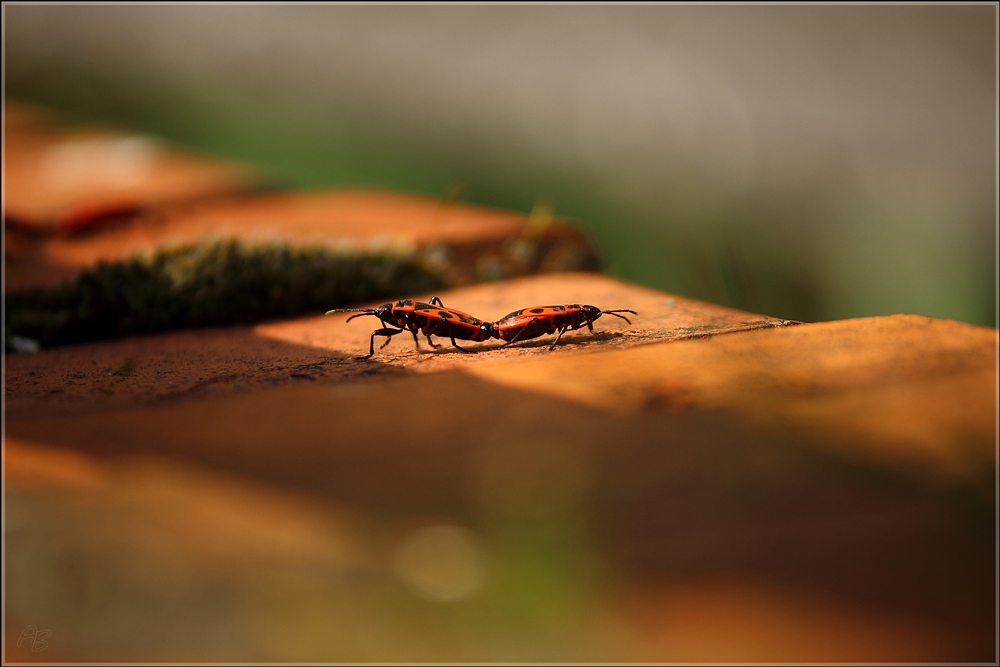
[432,329]
[388,333]
[416,341]
[561,332]
[456,345]
[518,335]
[436,302]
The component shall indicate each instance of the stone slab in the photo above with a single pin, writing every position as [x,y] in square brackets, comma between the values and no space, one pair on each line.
[463,243]
[193,364]
[821,493]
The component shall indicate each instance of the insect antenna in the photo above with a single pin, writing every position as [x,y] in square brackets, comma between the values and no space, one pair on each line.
[361,312]
[615,313]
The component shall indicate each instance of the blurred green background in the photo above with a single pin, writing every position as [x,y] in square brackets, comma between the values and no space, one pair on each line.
[806,162]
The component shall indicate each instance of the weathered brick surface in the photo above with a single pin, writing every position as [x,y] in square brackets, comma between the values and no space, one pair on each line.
[198,363]
[900,388]
[737,486]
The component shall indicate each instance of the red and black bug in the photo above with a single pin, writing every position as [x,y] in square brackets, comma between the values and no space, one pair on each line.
[394,314]
[541,320]
[431,319]
[449,323]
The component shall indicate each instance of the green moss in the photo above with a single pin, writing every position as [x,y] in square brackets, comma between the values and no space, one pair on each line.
[125,369]
[219,283]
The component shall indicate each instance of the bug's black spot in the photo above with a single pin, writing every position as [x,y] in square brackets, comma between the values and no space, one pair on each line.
[559,308]
[443,314]
[538,310]
[404,302]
